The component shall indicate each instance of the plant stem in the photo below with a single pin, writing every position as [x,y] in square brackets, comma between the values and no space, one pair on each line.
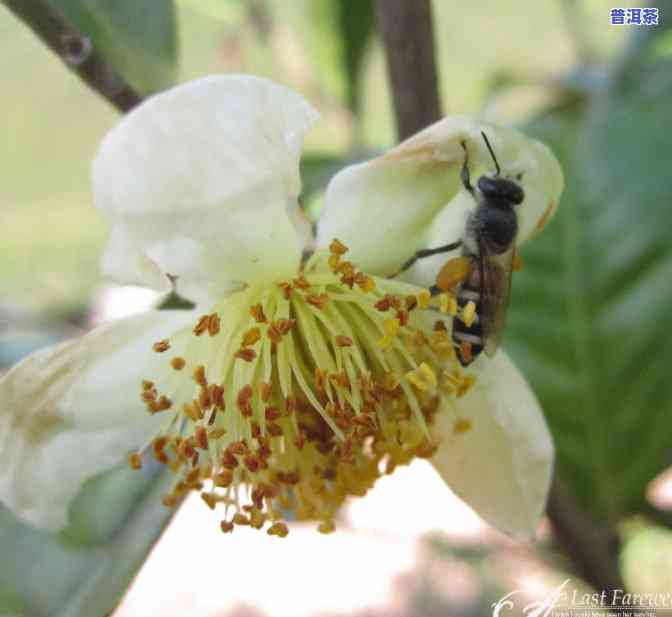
[406,30]
[592,548]
[75,50]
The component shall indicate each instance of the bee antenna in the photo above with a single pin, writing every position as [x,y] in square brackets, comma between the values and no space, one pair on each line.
[492,153]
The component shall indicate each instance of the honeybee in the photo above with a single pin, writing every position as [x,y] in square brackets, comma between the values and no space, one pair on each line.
[483,272]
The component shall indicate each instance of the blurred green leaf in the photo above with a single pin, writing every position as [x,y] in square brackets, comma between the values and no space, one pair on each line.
[84,570]
[339,36]
[356,24]
[591,324]
[138,38]
[316,171]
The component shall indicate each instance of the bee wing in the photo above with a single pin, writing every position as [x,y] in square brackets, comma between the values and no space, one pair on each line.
[495,275]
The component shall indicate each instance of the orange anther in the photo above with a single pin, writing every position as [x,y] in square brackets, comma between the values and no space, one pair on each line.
[274,429]
[213,324]
[462,425]
[178,363]
[134,460]
[251,337]
[202,325]
[265,390]
[210,499]
[336,247]
[383,304]
[216,433]
[317,300]
[279,529]
[201,437]
[240,519]
[300,282]
[199,376]
[170,501]
[224,478]
[245,354]
[283,326]
[272,413]
[226,526]
[257,312]
[161,346]
[286,289]
[217,396]
[244,400]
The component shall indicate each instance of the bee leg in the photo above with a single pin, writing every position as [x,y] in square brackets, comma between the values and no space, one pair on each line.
[466,178]
[446,248]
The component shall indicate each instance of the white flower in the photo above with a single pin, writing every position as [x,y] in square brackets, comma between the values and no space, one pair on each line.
[304,381]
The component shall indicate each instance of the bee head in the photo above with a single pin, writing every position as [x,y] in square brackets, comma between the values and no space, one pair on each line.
[500,191]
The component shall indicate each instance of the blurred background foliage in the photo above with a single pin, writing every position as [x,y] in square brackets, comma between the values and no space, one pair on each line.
[590,321]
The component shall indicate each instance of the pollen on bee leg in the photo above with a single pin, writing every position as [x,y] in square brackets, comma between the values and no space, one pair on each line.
[518,263]
[453,272]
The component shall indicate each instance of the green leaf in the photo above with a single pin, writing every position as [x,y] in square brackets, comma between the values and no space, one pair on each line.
[84,570]
[339,36]
[590,322]
[356,25]
[139,39]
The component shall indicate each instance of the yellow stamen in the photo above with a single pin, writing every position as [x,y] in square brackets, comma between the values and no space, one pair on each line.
[424,298]
[291,405]
[448,304]
[423,378]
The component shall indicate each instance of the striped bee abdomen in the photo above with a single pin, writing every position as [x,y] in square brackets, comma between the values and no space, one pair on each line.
[469,338]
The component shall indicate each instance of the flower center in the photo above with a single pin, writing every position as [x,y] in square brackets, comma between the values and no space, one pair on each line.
[303,393]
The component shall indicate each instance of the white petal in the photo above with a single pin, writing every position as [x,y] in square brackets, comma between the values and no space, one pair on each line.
[201,182]
[412,197]
[71,411]
[502,465]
